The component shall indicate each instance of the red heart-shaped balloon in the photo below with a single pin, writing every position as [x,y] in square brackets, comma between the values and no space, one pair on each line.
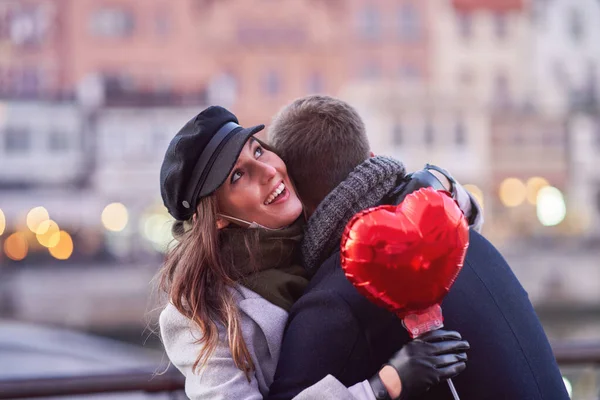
[405,258]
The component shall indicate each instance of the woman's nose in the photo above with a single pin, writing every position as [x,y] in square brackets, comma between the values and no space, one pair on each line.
[268,172]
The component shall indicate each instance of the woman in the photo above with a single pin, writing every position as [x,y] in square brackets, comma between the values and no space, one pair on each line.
[232,278]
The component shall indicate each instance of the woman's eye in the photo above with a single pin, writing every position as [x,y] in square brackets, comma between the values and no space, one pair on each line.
[235,176]
[258,152]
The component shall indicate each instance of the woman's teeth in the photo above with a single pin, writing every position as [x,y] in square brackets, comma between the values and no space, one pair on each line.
[275,194]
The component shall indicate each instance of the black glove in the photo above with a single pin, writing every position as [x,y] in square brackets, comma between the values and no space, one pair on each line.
[425,362]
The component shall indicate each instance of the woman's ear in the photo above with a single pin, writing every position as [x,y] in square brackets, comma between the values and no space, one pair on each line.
[222,223]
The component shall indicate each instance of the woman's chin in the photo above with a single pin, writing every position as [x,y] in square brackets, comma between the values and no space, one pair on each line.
[282,220]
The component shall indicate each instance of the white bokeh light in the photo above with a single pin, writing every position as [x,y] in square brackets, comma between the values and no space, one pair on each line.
[551,208]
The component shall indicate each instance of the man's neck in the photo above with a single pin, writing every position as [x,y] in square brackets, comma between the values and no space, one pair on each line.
[364,187]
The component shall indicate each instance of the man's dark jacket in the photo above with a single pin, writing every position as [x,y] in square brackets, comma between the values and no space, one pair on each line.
[334,330]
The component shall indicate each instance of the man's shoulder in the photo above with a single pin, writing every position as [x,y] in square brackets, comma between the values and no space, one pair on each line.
[328,272]
[481,249]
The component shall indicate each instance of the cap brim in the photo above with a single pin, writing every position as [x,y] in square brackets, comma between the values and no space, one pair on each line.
[226,159]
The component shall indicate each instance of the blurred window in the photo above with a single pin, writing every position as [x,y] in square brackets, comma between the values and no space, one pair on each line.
[272,83]
[500,25]
[27,26]
[315,83]
[29,81]
[370,22]
[465,25]
[409,24]
[253,34]
[501,97]
[21,82]
[58,141]
[397,134]
[460,133]
[116,83]
[223,89]
[16,140]
[428,133]
[575,25]
[112,22]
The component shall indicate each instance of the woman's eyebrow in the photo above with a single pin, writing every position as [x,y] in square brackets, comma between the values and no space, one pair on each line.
[251,142]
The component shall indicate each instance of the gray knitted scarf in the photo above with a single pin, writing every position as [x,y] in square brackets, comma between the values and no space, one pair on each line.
[365,187]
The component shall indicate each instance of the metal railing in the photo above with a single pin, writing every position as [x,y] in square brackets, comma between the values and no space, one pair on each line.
[577,353]
[147,380]
[138,380]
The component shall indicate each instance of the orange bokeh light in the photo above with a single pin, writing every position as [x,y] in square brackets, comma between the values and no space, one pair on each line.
[64,246]
[16,247]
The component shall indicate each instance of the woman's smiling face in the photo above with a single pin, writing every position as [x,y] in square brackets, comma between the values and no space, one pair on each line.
[258,189]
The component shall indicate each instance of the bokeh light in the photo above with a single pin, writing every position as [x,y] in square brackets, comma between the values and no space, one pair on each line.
[35,217]
[2,222]
[551,207]
[47,233]
[63,248]
[156,228]
[476,192]
[512,192]
[534,185]
[115,217]
[16,247]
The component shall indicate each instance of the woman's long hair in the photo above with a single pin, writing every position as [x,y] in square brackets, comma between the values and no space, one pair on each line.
[196,278]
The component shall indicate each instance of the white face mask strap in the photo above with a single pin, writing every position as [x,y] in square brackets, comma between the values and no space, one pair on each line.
[234,220]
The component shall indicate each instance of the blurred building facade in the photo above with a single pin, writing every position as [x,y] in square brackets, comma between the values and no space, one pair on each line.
[31,49]
[48,47]
[482,114]
[480,48]
[566,57]
[229,52]
[419,125]
[42,144]
[492,90]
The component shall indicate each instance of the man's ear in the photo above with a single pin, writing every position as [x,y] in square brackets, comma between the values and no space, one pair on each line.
[222,223]
[372,154]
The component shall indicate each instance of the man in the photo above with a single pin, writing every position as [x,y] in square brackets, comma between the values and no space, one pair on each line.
[334,330]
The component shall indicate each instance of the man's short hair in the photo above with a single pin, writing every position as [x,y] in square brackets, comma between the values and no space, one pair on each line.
[321,139]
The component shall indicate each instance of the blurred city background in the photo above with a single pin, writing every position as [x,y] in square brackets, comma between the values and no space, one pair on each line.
[505,94]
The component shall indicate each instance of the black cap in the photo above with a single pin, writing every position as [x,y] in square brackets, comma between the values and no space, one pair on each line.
[200,158]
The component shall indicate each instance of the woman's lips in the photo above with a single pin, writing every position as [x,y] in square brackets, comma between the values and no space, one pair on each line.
[276,192]
[282,197]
